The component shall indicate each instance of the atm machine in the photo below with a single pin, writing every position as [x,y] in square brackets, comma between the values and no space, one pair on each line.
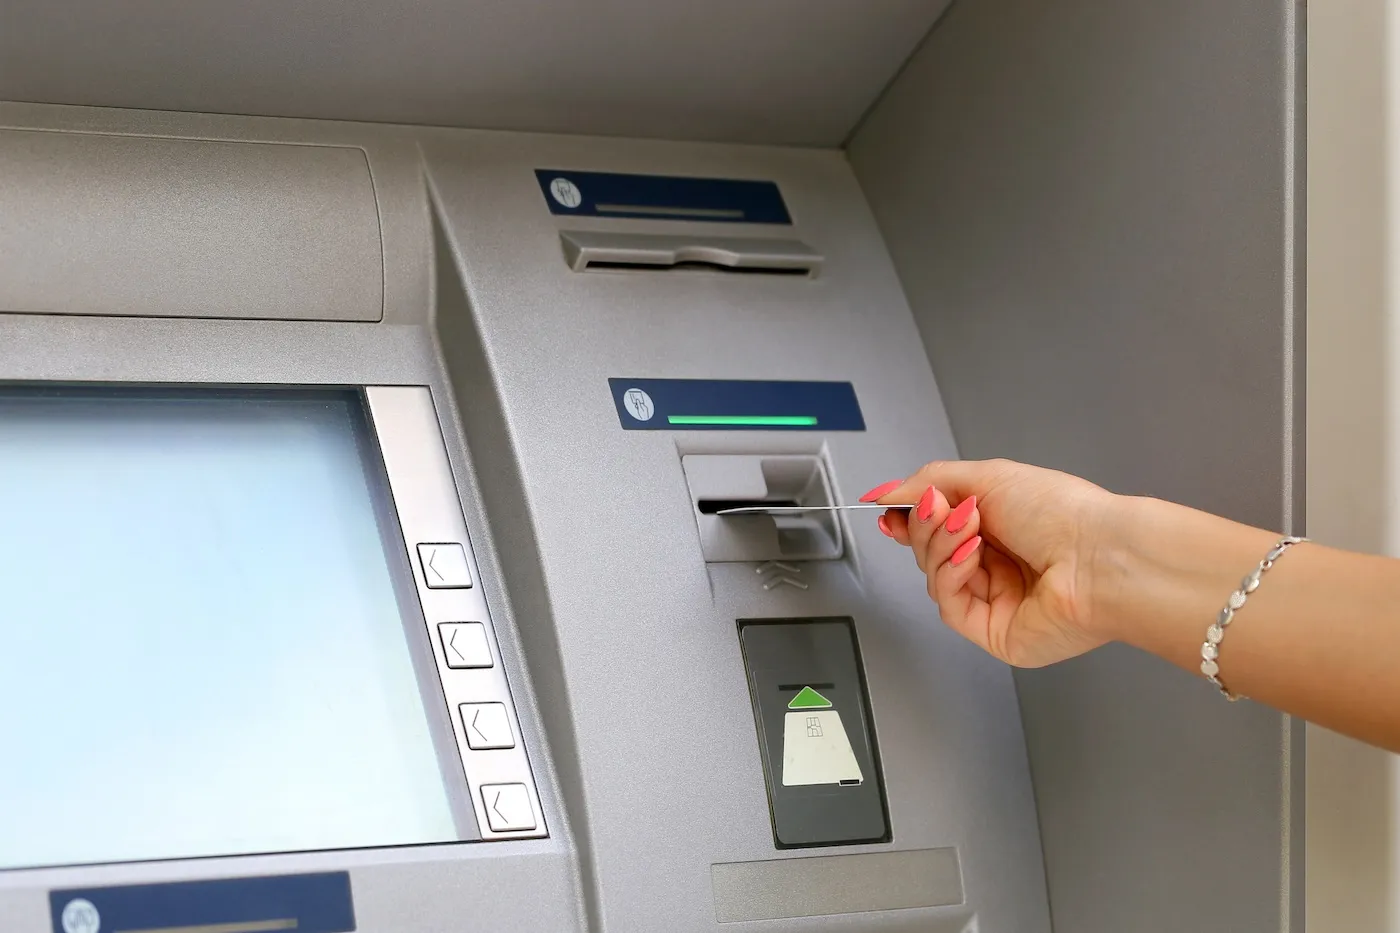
[367,405]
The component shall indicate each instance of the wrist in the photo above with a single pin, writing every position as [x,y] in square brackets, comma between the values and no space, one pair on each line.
[1106,566]
[1161,571]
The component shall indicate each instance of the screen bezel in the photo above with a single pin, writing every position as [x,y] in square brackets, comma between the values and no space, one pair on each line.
[374,427]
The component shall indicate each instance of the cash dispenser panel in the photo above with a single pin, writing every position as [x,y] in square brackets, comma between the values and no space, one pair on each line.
[819,754]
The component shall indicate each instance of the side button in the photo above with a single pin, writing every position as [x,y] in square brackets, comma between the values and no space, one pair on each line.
[464,644]
[507,807]
[486,725]
[445,566]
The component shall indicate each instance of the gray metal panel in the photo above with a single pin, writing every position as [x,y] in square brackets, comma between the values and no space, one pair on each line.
[473,888]
[631,636]
[516,884]
[394,167]
[1092,209]
[784,71]
[125,225]
[842,884]
[592,545]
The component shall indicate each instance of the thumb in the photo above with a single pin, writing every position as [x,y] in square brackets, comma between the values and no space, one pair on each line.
[956,479]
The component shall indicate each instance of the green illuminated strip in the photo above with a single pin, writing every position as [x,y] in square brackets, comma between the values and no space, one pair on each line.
[770,421]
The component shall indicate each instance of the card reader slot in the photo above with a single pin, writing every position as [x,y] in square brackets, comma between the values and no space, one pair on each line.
[595,250]
[723,481]
[697,265]
[714,506]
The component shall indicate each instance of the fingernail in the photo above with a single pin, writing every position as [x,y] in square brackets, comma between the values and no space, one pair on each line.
[883,489]
[959,516]
[884,524]
[965,550]
[925,507]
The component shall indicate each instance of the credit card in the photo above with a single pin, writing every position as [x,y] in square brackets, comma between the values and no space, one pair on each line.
[794,509]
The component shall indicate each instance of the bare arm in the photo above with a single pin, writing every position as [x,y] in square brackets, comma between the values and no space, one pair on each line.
[1319,639]
[1036,566]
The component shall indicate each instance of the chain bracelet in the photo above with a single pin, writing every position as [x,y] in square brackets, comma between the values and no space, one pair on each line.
[1210,649]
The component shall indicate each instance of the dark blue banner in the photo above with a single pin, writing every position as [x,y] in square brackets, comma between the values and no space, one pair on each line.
[735,405]
[661,197]
[318,903]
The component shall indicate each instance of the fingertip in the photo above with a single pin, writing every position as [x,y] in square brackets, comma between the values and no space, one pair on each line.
[923,511]
[966,550]
[959,517]
[897,523]
[882,490]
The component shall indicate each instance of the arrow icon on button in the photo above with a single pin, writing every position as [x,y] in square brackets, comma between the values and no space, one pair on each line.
[775,582]
[432,557]
[496,805]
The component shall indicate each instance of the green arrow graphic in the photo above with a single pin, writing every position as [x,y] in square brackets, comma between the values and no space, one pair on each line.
[807,698]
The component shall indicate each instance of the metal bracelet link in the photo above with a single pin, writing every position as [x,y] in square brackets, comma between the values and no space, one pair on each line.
[1210,649]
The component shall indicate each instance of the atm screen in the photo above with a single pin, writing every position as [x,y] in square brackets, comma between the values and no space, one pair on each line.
[201,648]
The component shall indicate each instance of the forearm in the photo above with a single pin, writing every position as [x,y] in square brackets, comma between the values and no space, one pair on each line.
[1319,638]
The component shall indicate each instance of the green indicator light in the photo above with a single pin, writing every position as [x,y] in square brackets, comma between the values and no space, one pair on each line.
[769,421]
[807,698]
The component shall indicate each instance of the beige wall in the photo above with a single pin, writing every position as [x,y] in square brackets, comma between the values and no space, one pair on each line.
[1353,420]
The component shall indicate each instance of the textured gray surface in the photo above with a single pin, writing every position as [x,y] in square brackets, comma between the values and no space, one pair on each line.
[1088,204]
[782,71]
[98,224]
[836,884]
[632,639]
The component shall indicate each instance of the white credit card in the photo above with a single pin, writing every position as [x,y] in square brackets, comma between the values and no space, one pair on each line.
[792,509]
[816,749]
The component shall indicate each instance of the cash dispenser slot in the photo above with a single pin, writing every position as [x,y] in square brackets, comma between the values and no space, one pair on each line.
[724,481]
[599,250]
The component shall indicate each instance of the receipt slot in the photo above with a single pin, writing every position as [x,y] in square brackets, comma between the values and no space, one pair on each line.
[815,736]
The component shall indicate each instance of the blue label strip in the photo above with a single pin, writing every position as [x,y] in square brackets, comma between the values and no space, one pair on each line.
[318,903]
[735,405]
[661,197]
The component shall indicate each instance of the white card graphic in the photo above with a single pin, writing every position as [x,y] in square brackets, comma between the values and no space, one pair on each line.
[816,749]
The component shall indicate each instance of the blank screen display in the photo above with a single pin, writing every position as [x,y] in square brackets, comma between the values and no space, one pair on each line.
[201,650]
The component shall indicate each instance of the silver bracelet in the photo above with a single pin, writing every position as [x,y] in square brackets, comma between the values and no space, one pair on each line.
[1210,650]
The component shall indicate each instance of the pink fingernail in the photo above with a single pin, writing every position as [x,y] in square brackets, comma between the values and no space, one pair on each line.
[965,550]
[884,524]
[883,489]
[959,516]
[924,510]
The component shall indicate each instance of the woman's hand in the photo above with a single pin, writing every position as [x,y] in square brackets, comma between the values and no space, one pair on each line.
[1010,551]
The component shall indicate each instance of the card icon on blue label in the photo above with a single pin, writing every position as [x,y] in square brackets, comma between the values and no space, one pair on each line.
[639,405]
